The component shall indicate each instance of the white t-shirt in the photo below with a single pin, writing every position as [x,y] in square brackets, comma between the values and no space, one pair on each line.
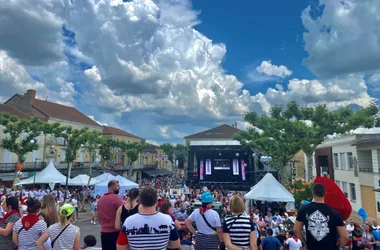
[293,245]
[211,216]
[350,228]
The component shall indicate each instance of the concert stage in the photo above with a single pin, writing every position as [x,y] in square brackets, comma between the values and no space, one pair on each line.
[216,159]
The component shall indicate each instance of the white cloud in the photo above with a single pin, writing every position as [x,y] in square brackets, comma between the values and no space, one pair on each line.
[31,31]
[269,69]
[344,39]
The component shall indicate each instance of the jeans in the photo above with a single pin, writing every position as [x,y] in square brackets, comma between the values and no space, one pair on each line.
[109,240]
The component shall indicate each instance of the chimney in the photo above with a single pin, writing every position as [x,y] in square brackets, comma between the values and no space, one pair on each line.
[31,93]
[29,97]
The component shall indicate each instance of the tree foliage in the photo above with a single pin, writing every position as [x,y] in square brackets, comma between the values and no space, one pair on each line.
[169,150]
[287,129]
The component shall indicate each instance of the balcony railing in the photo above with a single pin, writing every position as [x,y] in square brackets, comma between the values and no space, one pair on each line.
[27,166]
[366,170]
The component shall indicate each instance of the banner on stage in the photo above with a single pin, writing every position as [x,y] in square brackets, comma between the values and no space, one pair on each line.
[236,166]
[208,166]
[201,170]
[243,170]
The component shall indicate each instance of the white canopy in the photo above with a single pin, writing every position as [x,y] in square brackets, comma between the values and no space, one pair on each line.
[49,175]
[269,189]
[105,177]
[125,184]
[82,180]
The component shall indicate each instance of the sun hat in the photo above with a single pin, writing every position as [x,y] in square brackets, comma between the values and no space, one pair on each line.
[67,210]
[207,197]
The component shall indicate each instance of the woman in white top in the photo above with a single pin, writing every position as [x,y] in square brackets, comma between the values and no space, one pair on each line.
[63,235]
[28,230]
[209,234]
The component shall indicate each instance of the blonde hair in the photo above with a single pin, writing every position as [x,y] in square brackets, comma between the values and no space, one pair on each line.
[237,205]
[49,209]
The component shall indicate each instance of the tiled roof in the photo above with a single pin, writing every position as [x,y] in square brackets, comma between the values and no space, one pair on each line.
[107,130]
[13,111]
[222,132]
[60,111]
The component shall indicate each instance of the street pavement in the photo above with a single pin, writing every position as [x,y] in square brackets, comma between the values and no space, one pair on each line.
[86,228]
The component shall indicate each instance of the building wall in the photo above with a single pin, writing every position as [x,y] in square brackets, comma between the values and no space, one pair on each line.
[299,162]
[362,178]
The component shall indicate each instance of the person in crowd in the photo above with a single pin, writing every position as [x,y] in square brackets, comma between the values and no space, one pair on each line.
[209,234]
[350,228]
[11,207]
[238,229]
[148,229]
[166,208]
[270,242]
[93,206]
[181,214]
[108,205]
[131,207]
[322,223]
[28,230]
[293,242]
[356,237]
[49,212]
[63,234]
[186,242]
[368,240]
[261,222]
[268,219]
[89,242]
[74,203]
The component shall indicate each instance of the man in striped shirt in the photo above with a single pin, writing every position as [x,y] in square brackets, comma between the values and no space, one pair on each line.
[149,229]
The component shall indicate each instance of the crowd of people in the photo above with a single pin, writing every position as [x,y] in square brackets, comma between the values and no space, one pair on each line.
[151,218]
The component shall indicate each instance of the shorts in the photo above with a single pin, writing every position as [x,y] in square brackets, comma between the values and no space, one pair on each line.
[76,209]
[93,210]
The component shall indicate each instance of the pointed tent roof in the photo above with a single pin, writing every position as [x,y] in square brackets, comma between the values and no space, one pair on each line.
[269,189]
[82,180]
[125,184]
[47,176]
[105,177]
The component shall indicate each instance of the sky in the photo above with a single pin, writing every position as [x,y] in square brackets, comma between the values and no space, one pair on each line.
[165,69]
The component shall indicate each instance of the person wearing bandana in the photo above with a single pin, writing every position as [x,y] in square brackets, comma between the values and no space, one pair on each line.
[11,208]
[28,230]
[293,242]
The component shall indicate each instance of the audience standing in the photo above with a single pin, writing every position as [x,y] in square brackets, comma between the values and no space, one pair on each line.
[11,207]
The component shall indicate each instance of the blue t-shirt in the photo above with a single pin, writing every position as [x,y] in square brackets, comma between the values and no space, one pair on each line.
[270,243]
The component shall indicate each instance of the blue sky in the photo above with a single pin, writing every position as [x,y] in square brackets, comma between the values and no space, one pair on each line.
[164,69]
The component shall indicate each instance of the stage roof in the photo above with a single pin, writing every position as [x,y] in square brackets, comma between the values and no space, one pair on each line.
[215,143]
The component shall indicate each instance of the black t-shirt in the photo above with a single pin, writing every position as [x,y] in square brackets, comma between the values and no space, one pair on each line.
[321,222]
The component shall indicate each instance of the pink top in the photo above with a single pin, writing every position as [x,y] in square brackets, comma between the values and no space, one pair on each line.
[107,208]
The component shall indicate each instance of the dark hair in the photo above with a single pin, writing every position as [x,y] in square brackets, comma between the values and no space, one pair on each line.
[319,190]
[33,205]
[12,201]
[111,183]
[133,194]
[164,208]
[291,233]
[148,196]
[90,240]
[270,231]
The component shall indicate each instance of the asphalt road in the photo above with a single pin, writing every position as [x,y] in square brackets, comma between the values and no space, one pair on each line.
[87,228]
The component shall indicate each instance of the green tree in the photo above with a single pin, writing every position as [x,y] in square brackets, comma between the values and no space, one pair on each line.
[169,150]
[291,128]
[93,139]
[75,139]
[105,148]
[21,136]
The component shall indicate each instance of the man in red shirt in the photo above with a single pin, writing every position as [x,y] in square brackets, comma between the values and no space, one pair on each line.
[107,207]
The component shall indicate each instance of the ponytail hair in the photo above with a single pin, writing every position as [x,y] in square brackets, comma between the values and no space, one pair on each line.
[133,194]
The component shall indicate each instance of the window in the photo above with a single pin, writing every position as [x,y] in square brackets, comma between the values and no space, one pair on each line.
[350,161]
[336,162]
[352,191]
[338,183]
[342,161]
[344,188]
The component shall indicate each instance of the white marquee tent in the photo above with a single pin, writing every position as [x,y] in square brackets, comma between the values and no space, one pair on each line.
[105,177]
[125,184]
[82,180]
[269,189]
[49,175]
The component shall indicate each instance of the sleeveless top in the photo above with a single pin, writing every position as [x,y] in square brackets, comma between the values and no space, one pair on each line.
[126,213]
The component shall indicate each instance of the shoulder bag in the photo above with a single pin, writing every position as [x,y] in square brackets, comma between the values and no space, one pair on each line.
[52,243]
